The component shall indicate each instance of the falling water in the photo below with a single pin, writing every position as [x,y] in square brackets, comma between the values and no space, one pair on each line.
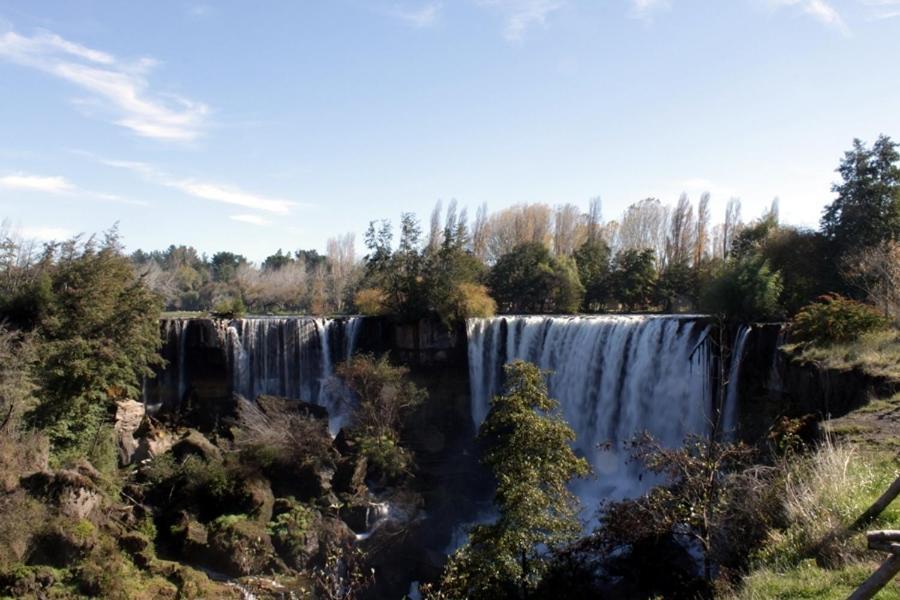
[614,376]
[730,408]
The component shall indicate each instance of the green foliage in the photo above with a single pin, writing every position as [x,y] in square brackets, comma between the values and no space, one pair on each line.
[677,284]
[867,209]
[633,278]
[412,281]
[592,258]
[230,308]
[528,450]
[529,279]
[746,289]
[385,454]
[385,398]
[99,336]
[835,319]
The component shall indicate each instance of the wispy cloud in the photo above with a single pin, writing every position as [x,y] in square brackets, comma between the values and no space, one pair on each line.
[121,87]
[883,9]
[645,9]
[252,219]
[521,15]
[45,234]
[819,10]
[24,182]
[206,190]
[36,183]
[420,17]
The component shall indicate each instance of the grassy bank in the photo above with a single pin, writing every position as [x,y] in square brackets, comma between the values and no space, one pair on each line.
[823,492]
[876,354]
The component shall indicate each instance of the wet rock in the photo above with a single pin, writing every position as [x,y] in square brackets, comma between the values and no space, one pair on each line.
[129,416]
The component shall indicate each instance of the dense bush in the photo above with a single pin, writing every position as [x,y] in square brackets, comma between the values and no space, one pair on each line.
[745,289]
[834,319]
[371,302]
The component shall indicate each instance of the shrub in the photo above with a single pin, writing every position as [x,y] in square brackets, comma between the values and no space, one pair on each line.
[473,300]
[280,437]
[229,308]
[746,289]
[371,302]
[833,319]
[291,533]
[383,453]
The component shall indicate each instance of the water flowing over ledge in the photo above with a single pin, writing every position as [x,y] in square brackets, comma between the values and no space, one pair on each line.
[293,357]
[614,376]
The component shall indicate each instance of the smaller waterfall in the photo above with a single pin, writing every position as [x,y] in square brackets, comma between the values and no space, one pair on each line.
[351,335]
[730,407]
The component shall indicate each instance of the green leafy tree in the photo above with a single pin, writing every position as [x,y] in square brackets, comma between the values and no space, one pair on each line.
[867,209]
[99,337]
[746,289]
[225,265]
[385,398]
[528,450]
[633,278]
[529,279]
[677,284]
[592,258]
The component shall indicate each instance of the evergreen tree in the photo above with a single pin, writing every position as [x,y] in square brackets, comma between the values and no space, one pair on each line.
[99,337]
[633,278]
[867,209]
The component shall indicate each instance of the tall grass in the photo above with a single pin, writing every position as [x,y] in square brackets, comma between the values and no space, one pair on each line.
[823,493]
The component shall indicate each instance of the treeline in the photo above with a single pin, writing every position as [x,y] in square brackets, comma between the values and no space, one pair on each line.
[534,258]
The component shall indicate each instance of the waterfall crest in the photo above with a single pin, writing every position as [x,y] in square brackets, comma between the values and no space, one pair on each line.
[614,377]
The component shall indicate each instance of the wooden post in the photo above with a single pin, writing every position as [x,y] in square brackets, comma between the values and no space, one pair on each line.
[878,580]
[878,506]
[886,541]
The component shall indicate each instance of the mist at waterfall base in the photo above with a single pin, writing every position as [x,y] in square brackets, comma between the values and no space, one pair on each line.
[614,377]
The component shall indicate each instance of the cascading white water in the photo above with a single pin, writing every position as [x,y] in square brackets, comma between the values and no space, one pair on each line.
[292,357]
[614,377]
[730,406]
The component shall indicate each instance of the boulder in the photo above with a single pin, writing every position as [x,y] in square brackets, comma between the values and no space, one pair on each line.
[129,416]
[260,498]
[155,442]
[190,535]
[350,476]
[240,547]
[74,494]
[195,443]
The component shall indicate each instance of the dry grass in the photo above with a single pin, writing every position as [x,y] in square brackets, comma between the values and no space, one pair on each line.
[877,354]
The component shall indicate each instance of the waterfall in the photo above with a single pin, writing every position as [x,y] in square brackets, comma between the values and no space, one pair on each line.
[614,377]
[351,334]
[730,407]
[293,357]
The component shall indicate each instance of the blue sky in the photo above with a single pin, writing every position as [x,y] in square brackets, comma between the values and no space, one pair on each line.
[254,126]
